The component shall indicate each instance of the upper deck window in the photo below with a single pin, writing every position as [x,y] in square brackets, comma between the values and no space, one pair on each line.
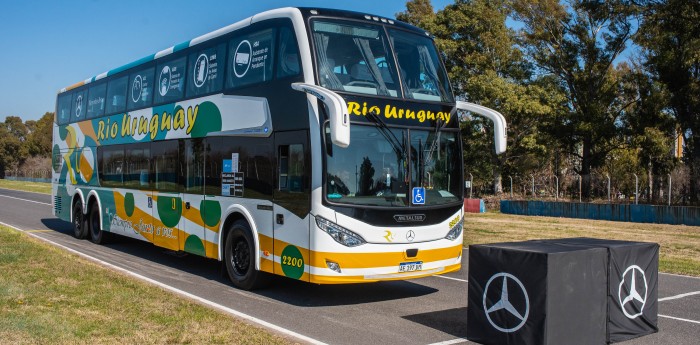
[206,68]
[79,106]
[116,94]
[421,71]
[96,101]
[250,58]
[354,57]
[63,108]
[140,93]
[171,80]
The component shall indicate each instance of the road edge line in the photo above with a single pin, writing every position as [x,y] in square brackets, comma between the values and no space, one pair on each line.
[679,319]
[177,291]
[688,294]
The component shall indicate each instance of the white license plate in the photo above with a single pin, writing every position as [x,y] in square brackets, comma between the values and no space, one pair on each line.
[411,266]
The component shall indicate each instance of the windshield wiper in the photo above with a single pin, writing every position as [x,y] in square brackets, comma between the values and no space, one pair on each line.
[398,147]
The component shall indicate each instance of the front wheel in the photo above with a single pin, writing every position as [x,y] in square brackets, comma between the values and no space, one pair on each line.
[239,256]
[80,228]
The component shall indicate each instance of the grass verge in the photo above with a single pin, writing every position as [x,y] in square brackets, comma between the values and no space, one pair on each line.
[48,296]
[680,244]
[37,187]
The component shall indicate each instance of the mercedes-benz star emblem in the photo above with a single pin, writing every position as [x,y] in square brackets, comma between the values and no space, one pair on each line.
[504,303]
[410,236]
[630,294]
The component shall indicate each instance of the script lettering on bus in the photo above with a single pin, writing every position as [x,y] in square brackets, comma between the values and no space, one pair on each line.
[113,127]
[390,111]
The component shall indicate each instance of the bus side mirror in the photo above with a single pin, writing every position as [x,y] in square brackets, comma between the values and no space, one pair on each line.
[337,111]
[499,122]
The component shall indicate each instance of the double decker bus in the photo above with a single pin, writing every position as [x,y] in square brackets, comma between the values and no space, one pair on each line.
[316,144]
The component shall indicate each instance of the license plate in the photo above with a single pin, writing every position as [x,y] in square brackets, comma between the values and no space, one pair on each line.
[411,266]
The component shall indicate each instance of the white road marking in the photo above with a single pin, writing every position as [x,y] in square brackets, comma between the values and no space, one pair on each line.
[679,296]
[678,275]
[36,202]
[679,319]
[450,278]
[450,342]
[178,291]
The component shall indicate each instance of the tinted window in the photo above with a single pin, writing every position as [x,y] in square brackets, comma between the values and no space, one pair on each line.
[79,106]
[111,160]
[206,69]
[288,61]
[116,95]
[250,58]
[137,166]
[141,91]
[63,108]
[194,166]
[96,101]
[171,80]
[165,165]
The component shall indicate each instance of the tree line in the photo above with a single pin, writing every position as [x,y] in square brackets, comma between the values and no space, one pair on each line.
[589,89]
[25,145]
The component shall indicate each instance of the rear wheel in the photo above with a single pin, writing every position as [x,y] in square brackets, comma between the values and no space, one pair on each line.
[97,236]
[239,256]
[80,228]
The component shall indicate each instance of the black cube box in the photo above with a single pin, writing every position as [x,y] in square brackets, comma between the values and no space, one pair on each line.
[537,293]
[633,280]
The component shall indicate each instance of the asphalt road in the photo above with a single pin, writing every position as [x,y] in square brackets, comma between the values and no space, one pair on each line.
[423,311]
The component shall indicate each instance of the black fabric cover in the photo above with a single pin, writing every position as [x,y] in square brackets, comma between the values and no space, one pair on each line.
[627,260]
[566,294]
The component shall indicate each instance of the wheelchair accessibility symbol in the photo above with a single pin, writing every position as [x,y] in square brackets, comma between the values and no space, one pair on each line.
[418,196]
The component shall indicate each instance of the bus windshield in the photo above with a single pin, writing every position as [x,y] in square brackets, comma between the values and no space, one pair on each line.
[383,164]
[357,57]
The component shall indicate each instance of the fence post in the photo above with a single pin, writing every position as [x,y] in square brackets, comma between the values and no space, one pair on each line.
[669,189]
[471,184]
[636,189]
[511,186]
[533,185]
[556,196]
[608,177]
[579,188]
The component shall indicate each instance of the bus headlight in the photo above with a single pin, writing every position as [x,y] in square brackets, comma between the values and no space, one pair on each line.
[339,233]
[456,230]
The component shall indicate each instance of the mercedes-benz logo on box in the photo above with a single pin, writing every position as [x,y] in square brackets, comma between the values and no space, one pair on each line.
[631,295]
[402,218]
[504,305]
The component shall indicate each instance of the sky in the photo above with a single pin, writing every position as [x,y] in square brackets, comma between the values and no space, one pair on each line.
[48,45]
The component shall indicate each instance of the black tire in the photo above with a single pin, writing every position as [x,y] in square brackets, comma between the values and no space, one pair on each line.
[97,236]
[239,257]
[80,228]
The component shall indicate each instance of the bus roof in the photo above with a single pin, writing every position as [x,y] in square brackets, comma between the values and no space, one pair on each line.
[276,13]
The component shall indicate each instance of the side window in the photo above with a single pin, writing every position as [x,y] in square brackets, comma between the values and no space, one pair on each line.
[171,80]
[116,95]
[141,89]
[63,108]
[111,162]
[288,60]
[137,166]
[206,69]
[96,101]
[250,58]
[165,166]
[291,168]
[78,106]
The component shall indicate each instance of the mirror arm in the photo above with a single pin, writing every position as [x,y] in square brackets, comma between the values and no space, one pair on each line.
[499,122]
[337,111]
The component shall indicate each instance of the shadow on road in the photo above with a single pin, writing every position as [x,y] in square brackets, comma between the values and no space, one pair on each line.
[281,289]
[450,321]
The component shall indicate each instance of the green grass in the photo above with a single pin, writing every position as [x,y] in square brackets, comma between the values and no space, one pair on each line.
[48,296]
[680,244]
[37,187]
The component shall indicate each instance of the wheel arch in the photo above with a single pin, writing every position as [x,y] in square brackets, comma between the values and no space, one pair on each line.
[93,197]
[234,213]
[77,196]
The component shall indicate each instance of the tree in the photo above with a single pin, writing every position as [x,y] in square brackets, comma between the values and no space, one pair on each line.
[40,134]
[670,37]
[578,42]
[12,149]
[486,67]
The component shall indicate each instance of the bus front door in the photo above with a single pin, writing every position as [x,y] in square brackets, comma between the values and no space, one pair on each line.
[292,204]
